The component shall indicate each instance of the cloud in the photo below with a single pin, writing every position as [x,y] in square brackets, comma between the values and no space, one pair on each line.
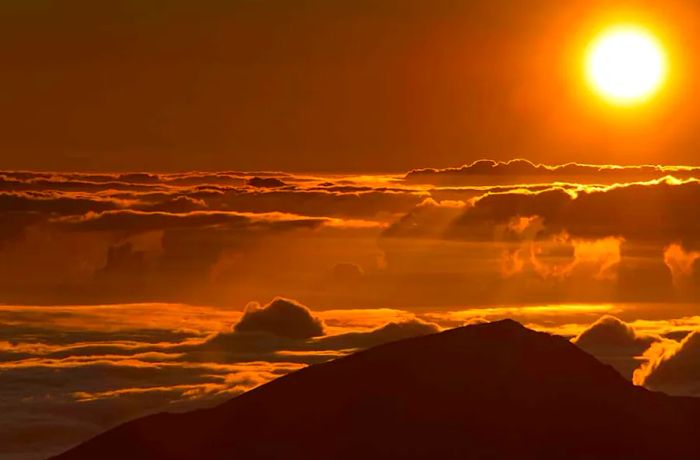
[48,408]
[281,317]
[615,342]
[673,368]
[284,330]
[429,219]
[489,172]
[388,333]
[680,262]
[601,243]
[349,198]
[265,182]
[345,202]
[220,239]
[175,204]
[659,213]
[599,256]
[140,221]
[55,203]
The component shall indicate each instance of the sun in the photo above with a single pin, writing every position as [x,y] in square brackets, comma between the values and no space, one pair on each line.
[626,65]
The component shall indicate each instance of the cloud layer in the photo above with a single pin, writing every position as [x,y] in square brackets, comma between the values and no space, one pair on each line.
[216,238]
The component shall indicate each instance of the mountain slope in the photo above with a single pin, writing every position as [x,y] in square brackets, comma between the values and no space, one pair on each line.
[490,391]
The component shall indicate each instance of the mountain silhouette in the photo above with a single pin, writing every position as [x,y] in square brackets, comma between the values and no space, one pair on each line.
[495,391]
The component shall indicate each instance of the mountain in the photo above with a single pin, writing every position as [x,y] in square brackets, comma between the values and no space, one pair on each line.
[495,391]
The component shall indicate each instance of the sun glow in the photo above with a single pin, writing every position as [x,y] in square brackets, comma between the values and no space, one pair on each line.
[626,65]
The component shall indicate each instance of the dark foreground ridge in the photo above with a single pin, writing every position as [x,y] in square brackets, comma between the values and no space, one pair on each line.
[494,391]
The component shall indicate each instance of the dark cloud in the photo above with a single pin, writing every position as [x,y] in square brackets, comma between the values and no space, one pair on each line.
[265,182]
[655,212]
[615,342]
[139,221]
[675,368]
[490,172]
[178,204]
[54,203]
[75,193]
[366,203]
[281,317]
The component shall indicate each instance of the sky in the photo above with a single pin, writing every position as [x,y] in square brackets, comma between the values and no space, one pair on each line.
[311,85]
[199,197]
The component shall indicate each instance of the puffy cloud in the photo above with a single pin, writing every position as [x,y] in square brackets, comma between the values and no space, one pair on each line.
[603,254]
[281,317]
[680,262]
[287,331]
[615,342]
[599,256]
[673,368]
[652,212]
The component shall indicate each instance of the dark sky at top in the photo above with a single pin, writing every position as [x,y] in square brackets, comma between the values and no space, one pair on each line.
[326,85]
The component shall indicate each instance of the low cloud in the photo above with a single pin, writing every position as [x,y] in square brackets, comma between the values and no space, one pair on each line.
[388,333]
[615,342]
[674,368]
[281,317]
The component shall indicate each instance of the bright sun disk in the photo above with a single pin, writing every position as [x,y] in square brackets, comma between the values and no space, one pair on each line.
[626,65]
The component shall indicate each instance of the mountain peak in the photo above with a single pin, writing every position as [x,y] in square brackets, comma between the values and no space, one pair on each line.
[492,390]
[504,325]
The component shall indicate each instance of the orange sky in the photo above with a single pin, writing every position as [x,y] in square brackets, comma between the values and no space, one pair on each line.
[199,197]
[327,86]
